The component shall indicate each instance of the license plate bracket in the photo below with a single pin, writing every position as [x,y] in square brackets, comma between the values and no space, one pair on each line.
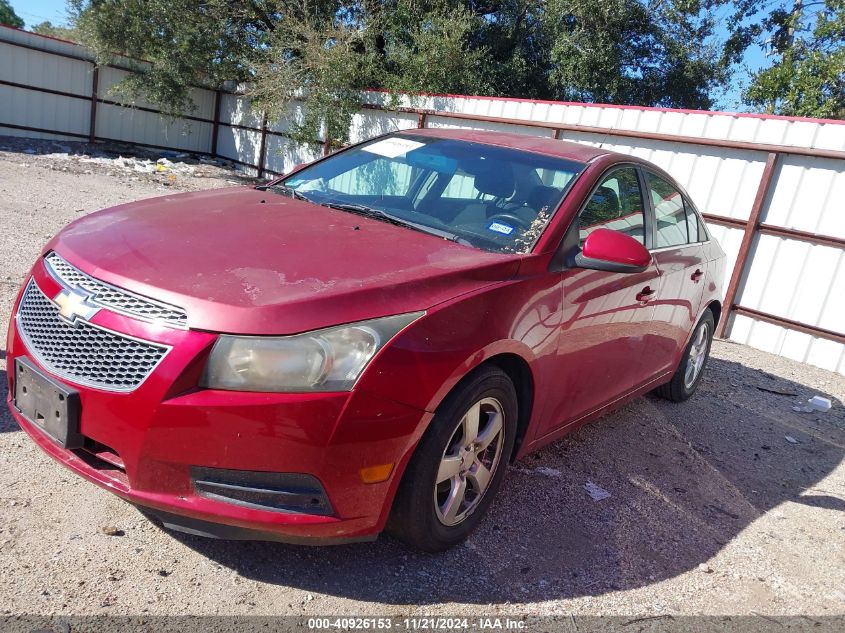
[48,404]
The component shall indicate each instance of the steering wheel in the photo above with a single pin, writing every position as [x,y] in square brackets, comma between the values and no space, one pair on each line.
[510,218]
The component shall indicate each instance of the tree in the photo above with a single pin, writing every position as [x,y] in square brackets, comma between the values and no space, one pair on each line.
[807,76]
[623,51]
[324,52]
[187,43]
[8,15]
[61,32]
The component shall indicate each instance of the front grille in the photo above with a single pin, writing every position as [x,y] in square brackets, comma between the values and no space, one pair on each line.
[114,298]
[82,352]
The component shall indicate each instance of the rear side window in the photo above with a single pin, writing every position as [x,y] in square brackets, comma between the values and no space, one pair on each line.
[676,222]
[616,204]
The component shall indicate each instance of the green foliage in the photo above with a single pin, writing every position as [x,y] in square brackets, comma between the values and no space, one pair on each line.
[61,32]
[426,49]
[8,15]
[323,52]
[807,77]
[625,51]
[186,42]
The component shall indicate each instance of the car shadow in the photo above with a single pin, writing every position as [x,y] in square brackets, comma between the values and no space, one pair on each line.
[684,480]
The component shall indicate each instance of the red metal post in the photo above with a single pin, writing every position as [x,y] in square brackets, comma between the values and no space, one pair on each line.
[812,330]
[262,148]
[751,228]
[95,87]
[803,236]
[215,126]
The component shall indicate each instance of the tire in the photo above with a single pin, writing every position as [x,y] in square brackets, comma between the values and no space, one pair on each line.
[428,515]
[680,387]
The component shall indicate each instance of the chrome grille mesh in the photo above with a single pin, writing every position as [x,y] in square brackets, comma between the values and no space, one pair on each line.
[114,298]
[82,352]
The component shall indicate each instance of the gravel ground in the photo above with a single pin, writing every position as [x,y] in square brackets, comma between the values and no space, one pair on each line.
[731,503]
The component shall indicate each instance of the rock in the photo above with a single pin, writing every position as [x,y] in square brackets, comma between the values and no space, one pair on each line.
[111,530]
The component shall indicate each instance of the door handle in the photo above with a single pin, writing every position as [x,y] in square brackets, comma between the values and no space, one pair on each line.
[645,294]
[697,275]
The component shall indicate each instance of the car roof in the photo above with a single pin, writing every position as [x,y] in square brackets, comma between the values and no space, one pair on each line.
[537,144]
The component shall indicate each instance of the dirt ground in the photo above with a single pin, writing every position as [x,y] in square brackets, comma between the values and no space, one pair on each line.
[731,503]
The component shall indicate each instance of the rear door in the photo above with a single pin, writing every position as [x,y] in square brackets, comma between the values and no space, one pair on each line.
[678,249]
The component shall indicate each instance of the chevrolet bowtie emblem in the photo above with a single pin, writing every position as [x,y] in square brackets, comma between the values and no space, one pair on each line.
[74,304]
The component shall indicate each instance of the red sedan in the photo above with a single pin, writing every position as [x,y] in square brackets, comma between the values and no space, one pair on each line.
[365,343]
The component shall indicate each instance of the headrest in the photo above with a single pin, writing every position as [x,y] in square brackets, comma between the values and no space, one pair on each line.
[496,182]
[542,196]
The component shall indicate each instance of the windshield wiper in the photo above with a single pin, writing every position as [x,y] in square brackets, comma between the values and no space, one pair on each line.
[378,214]
[284,190]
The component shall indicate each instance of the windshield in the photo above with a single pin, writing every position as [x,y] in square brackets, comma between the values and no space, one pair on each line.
[489,197]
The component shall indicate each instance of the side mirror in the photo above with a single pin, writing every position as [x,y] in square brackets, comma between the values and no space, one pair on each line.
[613,251]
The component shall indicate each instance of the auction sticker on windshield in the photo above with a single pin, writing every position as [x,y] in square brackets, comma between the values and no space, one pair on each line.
[392,147]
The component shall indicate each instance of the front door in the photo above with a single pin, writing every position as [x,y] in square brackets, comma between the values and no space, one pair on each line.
[606,316]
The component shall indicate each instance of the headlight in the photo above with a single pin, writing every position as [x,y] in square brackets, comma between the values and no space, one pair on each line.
[323,360]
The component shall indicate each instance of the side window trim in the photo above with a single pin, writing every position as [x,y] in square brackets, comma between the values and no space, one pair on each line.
[648,210]
[702,226]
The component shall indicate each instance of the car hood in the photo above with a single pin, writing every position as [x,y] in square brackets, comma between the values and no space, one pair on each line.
[245,261]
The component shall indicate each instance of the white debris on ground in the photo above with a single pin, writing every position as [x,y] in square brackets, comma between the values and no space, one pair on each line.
[819,403]
[597,493]
[122,160]
[816,404]
[146,166]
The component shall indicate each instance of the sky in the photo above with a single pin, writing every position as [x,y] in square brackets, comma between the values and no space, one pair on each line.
[35,11]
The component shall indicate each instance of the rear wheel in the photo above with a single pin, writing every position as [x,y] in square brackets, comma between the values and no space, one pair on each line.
[458,465]
[685,380]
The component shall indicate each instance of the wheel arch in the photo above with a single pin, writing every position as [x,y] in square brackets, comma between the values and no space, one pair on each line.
[518,370]
[715,307]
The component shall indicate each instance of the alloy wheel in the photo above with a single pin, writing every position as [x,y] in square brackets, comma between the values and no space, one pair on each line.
[469,462]
[697,354]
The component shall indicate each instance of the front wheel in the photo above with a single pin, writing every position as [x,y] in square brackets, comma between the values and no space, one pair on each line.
[685,380]
[458,465]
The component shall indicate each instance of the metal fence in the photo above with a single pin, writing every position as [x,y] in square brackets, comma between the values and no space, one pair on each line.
[771,188]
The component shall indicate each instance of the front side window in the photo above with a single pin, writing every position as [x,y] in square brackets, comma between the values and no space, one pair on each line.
[490,197]
[616,204]
[676,222]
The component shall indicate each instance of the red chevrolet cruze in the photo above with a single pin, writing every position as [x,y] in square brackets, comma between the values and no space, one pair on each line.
[365,343]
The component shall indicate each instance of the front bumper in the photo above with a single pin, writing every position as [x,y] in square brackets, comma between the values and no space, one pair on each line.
[142,445]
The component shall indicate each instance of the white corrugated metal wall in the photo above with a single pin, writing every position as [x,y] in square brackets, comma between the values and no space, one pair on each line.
[786,277]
